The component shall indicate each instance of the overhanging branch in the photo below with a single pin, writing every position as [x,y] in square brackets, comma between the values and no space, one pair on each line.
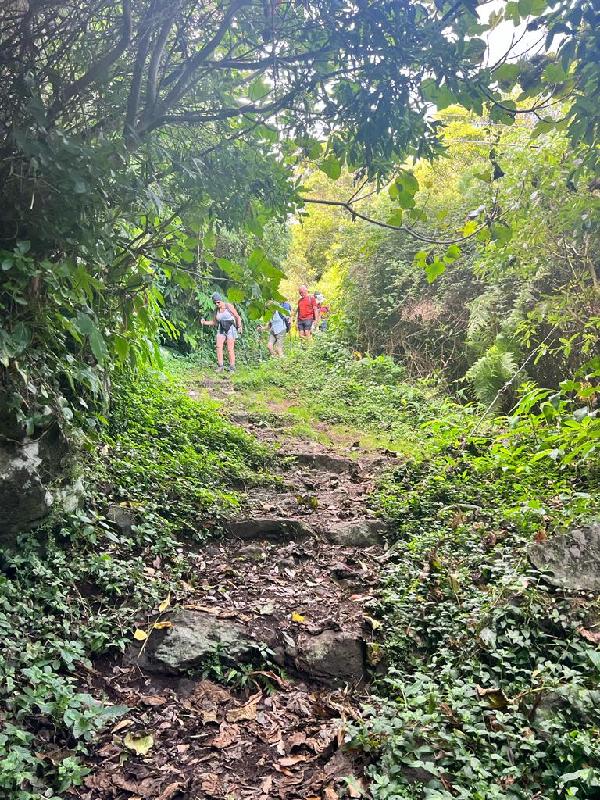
[400,228]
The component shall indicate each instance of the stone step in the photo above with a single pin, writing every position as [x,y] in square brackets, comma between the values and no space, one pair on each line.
[271,529]
[196,638]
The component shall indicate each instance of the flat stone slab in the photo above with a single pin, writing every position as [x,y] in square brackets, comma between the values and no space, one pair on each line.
[571,560]
[327,462]
[195,637]
[332,656]
[357,533]
[275,530]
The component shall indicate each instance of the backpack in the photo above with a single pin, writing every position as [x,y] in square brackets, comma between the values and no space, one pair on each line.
[286,321]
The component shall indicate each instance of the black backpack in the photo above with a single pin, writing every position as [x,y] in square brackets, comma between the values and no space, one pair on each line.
[286,320]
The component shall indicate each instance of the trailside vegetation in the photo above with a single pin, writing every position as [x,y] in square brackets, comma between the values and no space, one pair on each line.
[522,289]
[155,485]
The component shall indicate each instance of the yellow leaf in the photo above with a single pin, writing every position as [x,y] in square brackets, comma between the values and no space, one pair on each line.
[139,744]
[160,625]
[296,617]
[140,635]
[165,603]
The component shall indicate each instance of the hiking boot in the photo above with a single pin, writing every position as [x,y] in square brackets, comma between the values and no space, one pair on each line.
[220,368]
[231,369]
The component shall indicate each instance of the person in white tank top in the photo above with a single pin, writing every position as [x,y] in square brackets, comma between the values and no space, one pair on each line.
[229,326]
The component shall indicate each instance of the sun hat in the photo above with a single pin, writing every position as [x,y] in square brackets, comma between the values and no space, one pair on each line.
[215,297]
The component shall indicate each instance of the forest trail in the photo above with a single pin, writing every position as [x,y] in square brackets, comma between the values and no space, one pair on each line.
[280,609]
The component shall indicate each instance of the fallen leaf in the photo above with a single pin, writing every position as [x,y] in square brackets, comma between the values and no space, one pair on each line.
[495,696]
[296,617]
[161,625]
[374,623]
[170,790]
[165,603]
[140,635]
[139,744]
[124,723]
[245,712]
[355,787]
[228,734]
[330,793]
[291,761]
[208,715]
[153,700]
[210,784]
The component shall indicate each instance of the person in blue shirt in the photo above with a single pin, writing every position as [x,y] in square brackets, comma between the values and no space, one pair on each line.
[279,325]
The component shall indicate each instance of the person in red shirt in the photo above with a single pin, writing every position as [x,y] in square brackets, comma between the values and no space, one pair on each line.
[324,311]
[308,313]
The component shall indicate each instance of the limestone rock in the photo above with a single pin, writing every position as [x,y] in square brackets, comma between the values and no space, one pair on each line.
[24,498]
[332,656]
[122,516]
[571,560]
[195,637]
[357,533]
[277,530]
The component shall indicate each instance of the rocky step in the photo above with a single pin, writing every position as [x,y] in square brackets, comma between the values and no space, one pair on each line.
[196,638]
[327,462]
[349,533]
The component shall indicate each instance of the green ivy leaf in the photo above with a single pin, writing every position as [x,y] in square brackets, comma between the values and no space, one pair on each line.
[453,252]
[434,270]
[501,233]
[396,218]
[235,294]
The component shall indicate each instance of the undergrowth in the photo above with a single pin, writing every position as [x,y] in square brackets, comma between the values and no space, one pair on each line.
[489,677]
[71,589]
[371,396]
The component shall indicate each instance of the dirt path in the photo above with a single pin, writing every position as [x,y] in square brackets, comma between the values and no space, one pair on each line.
[281,610]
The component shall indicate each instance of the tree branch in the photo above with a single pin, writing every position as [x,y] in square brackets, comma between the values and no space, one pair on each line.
[157,54]
[401,228]
[97,69]
[182,84]
[133,98]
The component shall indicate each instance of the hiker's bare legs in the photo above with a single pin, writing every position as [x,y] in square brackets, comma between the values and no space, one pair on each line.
[231,351]
[220,343]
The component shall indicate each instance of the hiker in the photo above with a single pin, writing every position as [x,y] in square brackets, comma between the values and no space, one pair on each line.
[308,313]
[279,325]
[324,311]
[229,325]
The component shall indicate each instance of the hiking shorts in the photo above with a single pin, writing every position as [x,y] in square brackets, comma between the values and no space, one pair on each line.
[305,324]
[276,339]
[232,333]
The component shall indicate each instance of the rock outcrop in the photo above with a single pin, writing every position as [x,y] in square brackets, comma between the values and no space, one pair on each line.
[28,468]
[571,560]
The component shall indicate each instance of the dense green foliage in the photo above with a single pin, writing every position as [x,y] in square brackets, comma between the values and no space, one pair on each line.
[329,383]
[154,151]
[135,138]
[523,288]
[73,589]
[491,687]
